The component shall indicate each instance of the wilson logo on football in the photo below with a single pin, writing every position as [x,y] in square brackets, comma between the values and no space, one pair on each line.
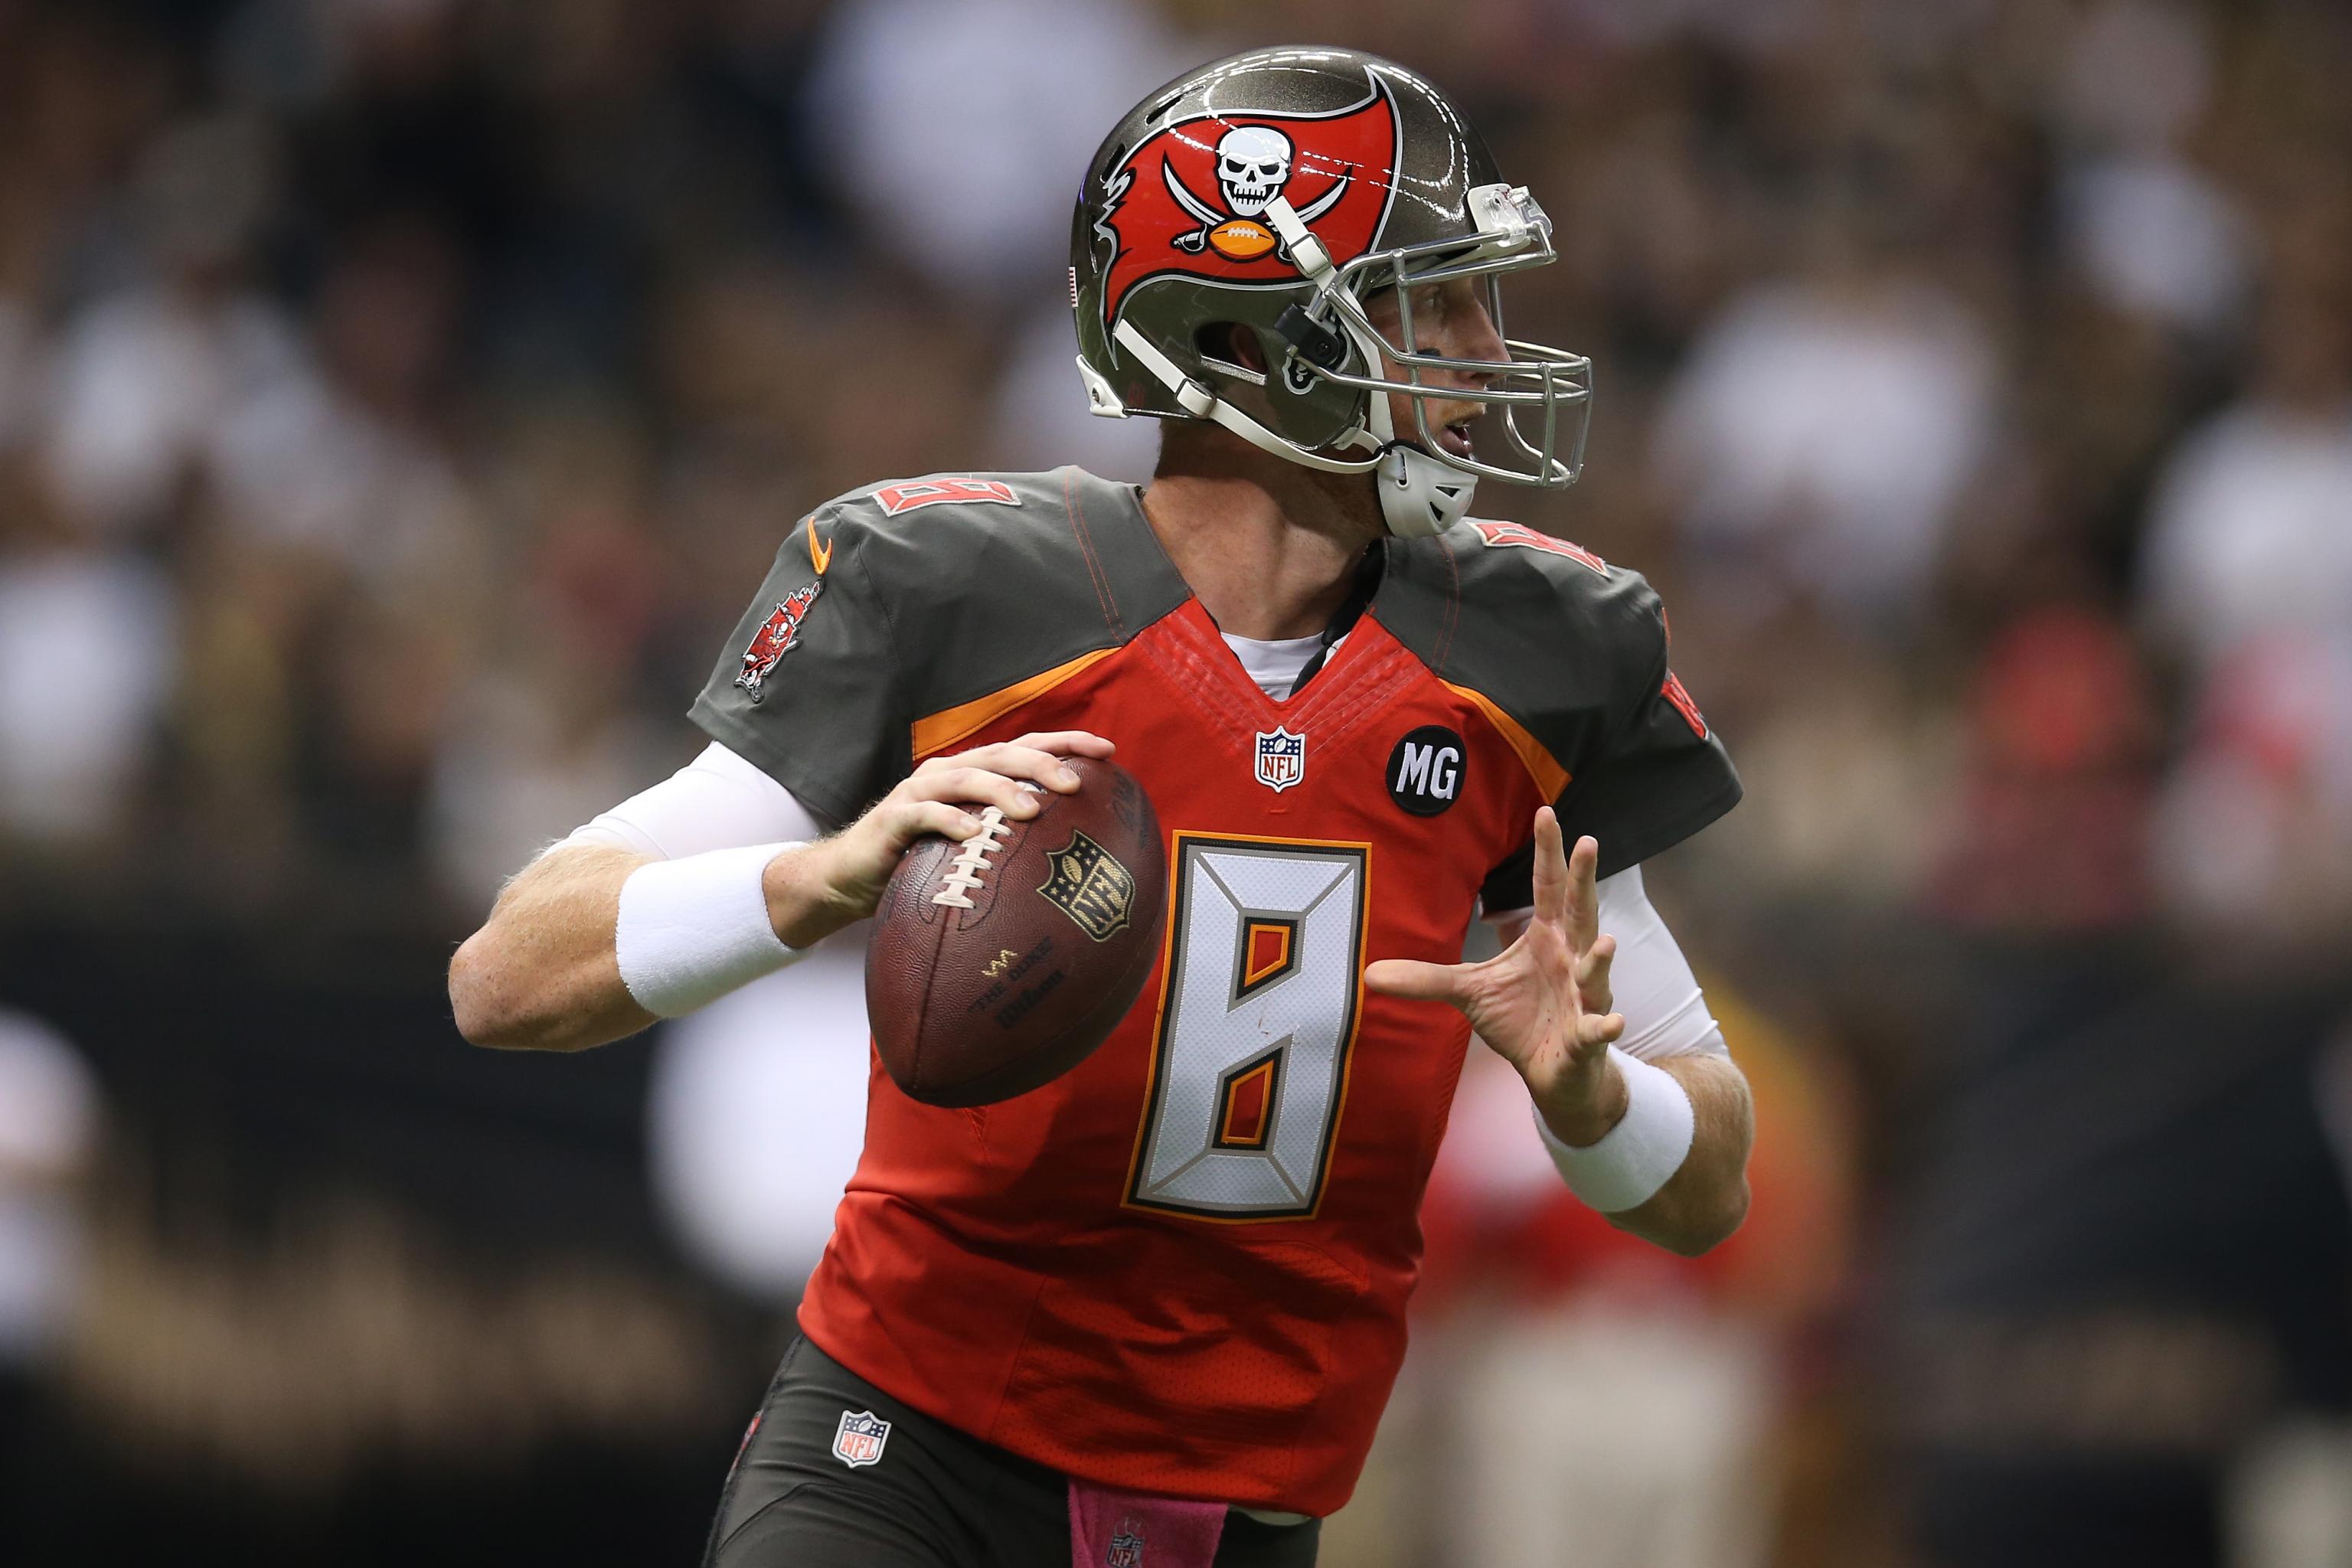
[777,636]
[1192,198]
[915,493]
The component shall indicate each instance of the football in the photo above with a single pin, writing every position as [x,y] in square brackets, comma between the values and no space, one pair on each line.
[1242,240]
[1000,964]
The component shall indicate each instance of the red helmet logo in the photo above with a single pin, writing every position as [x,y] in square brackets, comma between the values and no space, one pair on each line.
[1191,198]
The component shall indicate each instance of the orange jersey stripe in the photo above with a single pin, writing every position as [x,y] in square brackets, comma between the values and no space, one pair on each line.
[1549,776]
[944,729]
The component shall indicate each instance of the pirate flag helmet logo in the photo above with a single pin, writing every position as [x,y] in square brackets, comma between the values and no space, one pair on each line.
[1275,193]
[1192,198]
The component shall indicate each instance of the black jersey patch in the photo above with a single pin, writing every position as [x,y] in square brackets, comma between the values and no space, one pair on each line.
[1427,770]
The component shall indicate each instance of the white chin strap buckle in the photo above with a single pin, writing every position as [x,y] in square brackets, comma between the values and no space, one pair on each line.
[1421,497]
[1307,252]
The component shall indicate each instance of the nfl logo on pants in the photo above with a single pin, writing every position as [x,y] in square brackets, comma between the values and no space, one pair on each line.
[1281,759]
[858,1439]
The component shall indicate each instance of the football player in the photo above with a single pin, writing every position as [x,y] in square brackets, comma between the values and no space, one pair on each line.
[1149,1313]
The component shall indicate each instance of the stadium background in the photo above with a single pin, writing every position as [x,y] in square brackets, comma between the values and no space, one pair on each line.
[399,399]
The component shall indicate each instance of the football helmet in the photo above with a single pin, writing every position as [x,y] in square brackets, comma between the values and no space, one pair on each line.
[1278,190]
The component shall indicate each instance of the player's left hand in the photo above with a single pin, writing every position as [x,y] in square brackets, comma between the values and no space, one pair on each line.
[1542,1002]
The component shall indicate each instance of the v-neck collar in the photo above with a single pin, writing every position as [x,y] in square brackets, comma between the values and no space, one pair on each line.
[1224,659]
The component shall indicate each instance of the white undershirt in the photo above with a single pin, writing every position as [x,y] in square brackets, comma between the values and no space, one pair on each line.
[1276,665]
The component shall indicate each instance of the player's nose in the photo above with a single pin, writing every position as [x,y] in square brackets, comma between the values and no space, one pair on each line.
[1466,332]
[1473,332]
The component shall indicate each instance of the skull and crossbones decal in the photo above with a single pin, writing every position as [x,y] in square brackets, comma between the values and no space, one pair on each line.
[1253,164]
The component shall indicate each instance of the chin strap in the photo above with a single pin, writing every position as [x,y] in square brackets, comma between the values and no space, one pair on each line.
[1201,403]
[1419,496]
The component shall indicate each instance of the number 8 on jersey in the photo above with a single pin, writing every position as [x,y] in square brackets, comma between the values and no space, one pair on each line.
[1251,1061]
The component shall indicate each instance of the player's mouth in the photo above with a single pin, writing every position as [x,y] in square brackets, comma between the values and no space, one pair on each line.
[1455,439]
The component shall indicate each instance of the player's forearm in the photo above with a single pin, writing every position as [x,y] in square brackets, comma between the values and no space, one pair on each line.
[542,973]
[1704,1200]
[546,971]
[591,942]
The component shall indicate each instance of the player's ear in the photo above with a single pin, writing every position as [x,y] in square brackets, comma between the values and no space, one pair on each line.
[1247,350]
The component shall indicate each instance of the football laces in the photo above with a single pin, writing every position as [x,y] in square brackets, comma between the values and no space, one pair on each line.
[967,870]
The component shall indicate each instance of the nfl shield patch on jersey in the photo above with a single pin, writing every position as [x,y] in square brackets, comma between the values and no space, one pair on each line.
[858,1439]
[1281,759]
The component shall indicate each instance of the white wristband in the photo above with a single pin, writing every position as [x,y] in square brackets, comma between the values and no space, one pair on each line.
[693,929]
[1639,1154]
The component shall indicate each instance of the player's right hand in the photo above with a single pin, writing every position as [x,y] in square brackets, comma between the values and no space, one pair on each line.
[839,880]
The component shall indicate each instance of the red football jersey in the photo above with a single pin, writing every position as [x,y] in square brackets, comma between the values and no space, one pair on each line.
[1183,1267]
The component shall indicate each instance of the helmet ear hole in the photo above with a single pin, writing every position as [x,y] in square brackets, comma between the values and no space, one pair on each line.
[1233,347]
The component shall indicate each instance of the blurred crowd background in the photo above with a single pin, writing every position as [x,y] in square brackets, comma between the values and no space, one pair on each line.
[399,400]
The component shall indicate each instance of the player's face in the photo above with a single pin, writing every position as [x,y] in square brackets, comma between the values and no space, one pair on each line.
[1449,319]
